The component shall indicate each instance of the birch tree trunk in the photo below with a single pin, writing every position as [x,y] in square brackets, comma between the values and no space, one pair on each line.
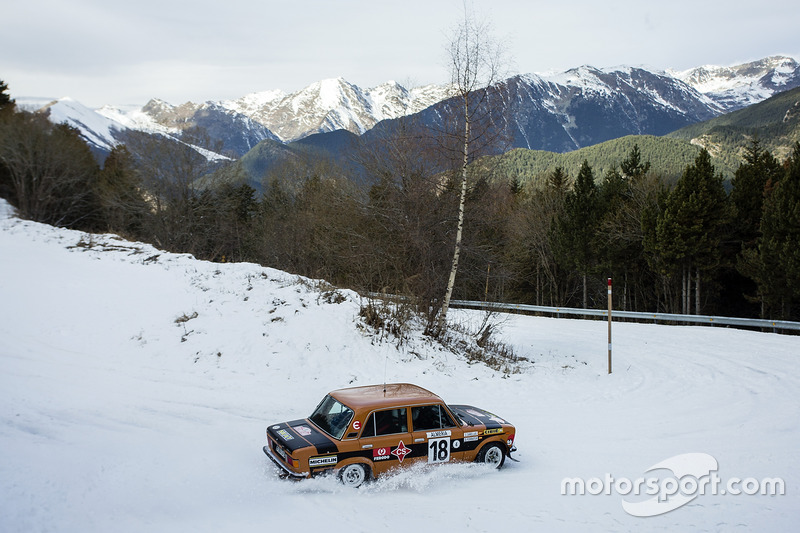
[460,228]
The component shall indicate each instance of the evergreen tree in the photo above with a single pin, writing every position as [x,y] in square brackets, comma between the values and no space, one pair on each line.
[5,99]
[778,273]
[577,227]
[619,243]
[759,171]
[533,239]
[121,195]
[747,194]
[558,181]
[632,167]
[690,229]
[626,195]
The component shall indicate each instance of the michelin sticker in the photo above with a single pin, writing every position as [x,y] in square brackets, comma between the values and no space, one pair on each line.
[323,461]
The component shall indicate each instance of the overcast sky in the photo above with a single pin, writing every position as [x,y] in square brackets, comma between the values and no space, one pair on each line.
[126,52]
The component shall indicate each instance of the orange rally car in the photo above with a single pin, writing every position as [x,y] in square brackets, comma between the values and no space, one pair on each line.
[362,432]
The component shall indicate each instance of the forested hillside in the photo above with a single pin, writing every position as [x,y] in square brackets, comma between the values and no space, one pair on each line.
[669,157]
[775,121]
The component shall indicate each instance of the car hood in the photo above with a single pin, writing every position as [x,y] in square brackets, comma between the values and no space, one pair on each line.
[302,434]
[475,416]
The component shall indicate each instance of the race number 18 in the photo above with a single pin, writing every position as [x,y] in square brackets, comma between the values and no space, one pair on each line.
[439,450]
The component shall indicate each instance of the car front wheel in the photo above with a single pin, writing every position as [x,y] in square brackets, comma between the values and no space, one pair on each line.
[353,475]
[492,455]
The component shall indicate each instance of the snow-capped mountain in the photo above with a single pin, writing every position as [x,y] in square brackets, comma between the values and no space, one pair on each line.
[555,111]
[333,104]
[739,86]
[583,106]
[229,133]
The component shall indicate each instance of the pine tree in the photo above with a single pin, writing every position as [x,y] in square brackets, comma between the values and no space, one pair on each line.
[632,167]
[624,196]
[758,172]
[779,250]
[121,194]
[747,194]
[5,98]
[690,229]
[558,181]
[577,227]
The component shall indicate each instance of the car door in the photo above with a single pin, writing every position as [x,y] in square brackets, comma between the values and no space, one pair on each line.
[385,438]
[437,436]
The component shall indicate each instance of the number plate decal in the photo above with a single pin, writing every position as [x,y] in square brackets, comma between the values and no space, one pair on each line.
[439,450]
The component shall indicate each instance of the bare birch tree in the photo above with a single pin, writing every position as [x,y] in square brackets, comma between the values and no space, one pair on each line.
[475,61]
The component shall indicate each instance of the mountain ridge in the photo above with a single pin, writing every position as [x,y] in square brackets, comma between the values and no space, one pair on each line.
[558,111]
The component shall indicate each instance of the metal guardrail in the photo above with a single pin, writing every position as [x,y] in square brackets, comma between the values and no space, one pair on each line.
[655,317]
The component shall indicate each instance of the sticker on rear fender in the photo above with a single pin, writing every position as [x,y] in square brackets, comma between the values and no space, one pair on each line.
[493,431]
[323,461]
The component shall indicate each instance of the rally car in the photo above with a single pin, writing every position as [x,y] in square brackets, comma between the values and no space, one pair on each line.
[359,433]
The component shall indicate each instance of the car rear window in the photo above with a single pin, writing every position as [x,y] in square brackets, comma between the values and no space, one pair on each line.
[430,417]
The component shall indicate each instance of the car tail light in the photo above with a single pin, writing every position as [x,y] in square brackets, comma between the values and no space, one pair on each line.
[510,440]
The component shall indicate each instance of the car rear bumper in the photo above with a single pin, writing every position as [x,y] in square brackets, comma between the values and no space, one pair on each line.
[281,465]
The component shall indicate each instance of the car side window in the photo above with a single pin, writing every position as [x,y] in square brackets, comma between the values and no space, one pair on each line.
[430,417]
[387,422]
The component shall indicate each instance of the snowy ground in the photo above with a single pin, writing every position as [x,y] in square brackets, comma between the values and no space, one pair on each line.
[115,417]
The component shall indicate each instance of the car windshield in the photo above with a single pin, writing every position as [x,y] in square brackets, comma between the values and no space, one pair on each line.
[332,417]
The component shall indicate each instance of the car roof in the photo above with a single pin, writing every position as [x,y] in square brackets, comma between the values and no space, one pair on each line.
[390,394]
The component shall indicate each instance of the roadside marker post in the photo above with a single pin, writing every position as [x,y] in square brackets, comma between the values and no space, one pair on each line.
[609,325]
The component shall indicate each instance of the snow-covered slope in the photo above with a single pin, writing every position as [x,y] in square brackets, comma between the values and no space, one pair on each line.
[229,132]
[136,386]
[99,131]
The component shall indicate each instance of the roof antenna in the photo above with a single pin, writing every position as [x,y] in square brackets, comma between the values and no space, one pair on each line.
[385,362]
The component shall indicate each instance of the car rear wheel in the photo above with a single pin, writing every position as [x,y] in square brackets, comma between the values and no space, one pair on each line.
[492,455]
[353,475]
